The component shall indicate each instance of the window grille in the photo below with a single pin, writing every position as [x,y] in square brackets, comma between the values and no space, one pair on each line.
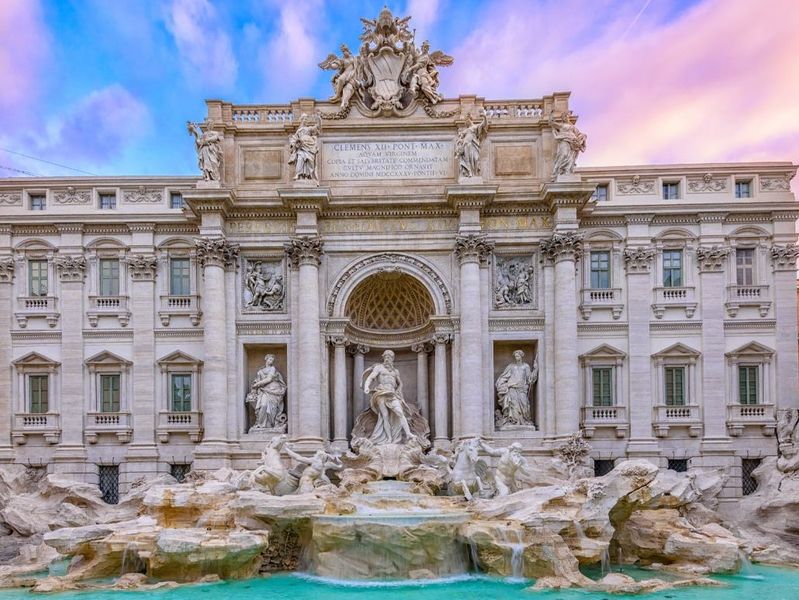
[743,189]
[108,201]
[602,467]
[671,191]
[109,483]
[38,201]
[748,483]
[179,471]
[175,200]
[678,464]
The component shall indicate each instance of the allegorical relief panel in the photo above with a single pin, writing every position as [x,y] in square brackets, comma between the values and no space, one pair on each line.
[514,282]
[264,285]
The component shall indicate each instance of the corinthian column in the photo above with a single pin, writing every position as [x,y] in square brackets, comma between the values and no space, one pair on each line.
[305,253]
[440,393]
[471,250]
[358,352]
[214,256]
[6,312]
[339,390]
[564,249]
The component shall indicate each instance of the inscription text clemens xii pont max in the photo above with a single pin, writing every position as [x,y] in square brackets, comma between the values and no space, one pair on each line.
[417,159]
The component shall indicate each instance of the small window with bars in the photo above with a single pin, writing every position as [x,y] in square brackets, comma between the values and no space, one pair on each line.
[745,266]
[109,393]
[175,200]
[108,200]
[179,277]
[38,399]
[748,384]
[600,270]
[37,277]
[671,190]
[181,392]
[109,483]
[601,193]
[38,201]
[179,471]
[678,464]
[109,277]
[675,386]
[672,268]
[602,386]
[743,189]
[602,466]
[748,482]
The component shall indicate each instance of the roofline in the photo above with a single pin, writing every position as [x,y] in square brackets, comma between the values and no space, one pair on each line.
[782,165]
[110,179]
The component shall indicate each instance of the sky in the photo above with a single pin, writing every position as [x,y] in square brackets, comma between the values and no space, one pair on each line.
[105,87]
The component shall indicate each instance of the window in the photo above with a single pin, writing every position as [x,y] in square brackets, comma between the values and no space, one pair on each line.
[109,393]
[601,381]
[179,471]
[175,200]
[678,464]
[747,384]
[671,190]
[675,386]
[37,277]
[672,268]
[743,189]
[108,201]
[745,266]
[748,482]
[37,393]
[109,277]
[602,467]
[601,193]
[38,201]
[179,277]
[109,483]
[181,392]
[600,270]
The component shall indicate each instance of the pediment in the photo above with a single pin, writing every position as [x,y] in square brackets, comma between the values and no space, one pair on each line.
[107,358]
[34,359]
[603,351]
[678,349]
[178,358]
[751,349]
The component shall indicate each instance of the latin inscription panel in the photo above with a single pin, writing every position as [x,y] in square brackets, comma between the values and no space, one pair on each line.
[399,159]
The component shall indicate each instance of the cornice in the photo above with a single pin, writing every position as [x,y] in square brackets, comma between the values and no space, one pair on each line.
[263,327]
[515,324]
[305,199]
[169,333]
[675,326]
[34,335]
[757,325]
[601,328]
[107,334]
[467,196]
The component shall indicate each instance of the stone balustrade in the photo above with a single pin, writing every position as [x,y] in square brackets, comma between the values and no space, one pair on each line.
[610,417]
[674,297]
[189,423]
[180,305]
[740,416]
[119,423]
[47,425]
[667,416]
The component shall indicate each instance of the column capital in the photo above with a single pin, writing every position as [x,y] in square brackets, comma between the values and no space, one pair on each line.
[142,267]
[216,251]
[7,265]
[442,338]
[422,348]
[783,257]
[639,259]
[358,349]
[473,248]
[567,245]
[71,267]
[304,250]
[338,340]
[711,259]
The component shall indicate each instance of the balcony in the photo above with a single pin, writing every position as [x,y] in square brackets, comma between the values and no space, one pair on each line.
[172,306]
[108,306]
[118,423]
[189,423]
[36,306]
[674,297]
[596,298]
[740,416]
[748,295]
[47,425]
[607,417]
[686,415]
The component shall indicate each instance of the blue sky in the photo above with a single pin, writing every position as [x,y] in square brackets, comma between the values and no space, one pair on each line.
[106,86]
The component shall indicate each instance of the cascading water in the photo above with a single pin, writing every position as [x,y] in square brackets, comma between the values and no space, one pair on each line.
[605,562]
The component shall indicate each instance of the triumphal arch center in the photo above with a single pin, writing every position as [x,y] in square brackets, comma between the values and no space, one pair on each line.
[392,265]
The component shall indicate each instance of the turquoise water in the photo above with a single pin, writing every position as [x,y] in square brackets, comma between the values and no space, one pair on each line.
[760,582]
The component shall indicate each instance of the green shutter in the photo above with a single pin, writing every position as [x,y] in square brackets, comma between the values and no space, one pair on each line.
[37,277]
[602,386]
[109,393]
[747,384]
[675,386]
[181,392]
[179,278]
[38,385]
[109,277]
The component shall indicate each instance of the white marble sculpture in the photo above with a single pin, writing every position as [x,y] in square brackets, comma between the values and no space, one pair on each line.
[469,475]
[467,145]
[266,395]
[787,446]
[272,472]
[348,74]
[513,282]
[263,287]
[387,402]
[209,150]
[304,148]
[315,473]
[512,471]
[570,142]
[513,393]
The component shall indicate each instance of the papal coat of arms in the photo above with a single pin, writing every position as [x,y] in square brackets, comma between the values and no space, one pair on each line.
[389,74]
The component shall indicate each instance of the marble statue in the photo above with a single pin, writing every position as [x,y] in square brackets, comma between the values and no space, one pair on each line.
[469,475]
[209,150]
[315,473]
[387,402]
[513,392]
[467,145]
[263,287]
[513,282]
[272,473]
[421,73]
[266,395]
[348,74]
[573,453]
[304,148]
[787,447]
[570,142]
[361,466]
[512,471]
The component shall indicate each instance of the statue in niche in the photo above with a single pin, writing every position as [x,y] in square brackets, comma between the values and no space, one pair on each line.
[266,395]
[570,142]
[304,147]
[314,475]
[512,472]
[209,150]
[263,287]
[513,392]
[513,286]
[349,72]
[389,419]
[467,145]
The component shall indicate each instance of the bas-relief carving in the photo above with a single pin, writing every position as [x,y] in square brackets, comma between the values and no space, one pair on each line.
[514,282]
[635,185]
[775,183]
[707,183]
[304,148]
[142,195]
[513,393]
[784,257]
[10,198]
[570,142]
[72,196]
[638,260]
[209,150]
[72,268]
[264,285]
[712,258]
[7,265]
[467,145]
[266,396]
[142,267]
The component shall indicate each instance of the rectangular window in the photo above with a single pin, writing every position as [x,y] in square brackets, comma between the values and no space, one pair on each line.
[745,266]
[38,201]
[37,277]
[601,193]
[602,466]
[179,277]
[678,464]
[671,190]
[109,483]
[601,380]
[675,386]
[600,270]
[109,393]
[108,201]
[181,392]
[175,200]
[179,471]
[37,393]
[109,277]
[743,189]
[747,384]
[672,268]
[748,482]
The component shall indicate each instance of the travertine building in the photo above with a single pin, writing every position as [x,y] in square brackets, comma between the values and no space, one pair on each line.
[135,312]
